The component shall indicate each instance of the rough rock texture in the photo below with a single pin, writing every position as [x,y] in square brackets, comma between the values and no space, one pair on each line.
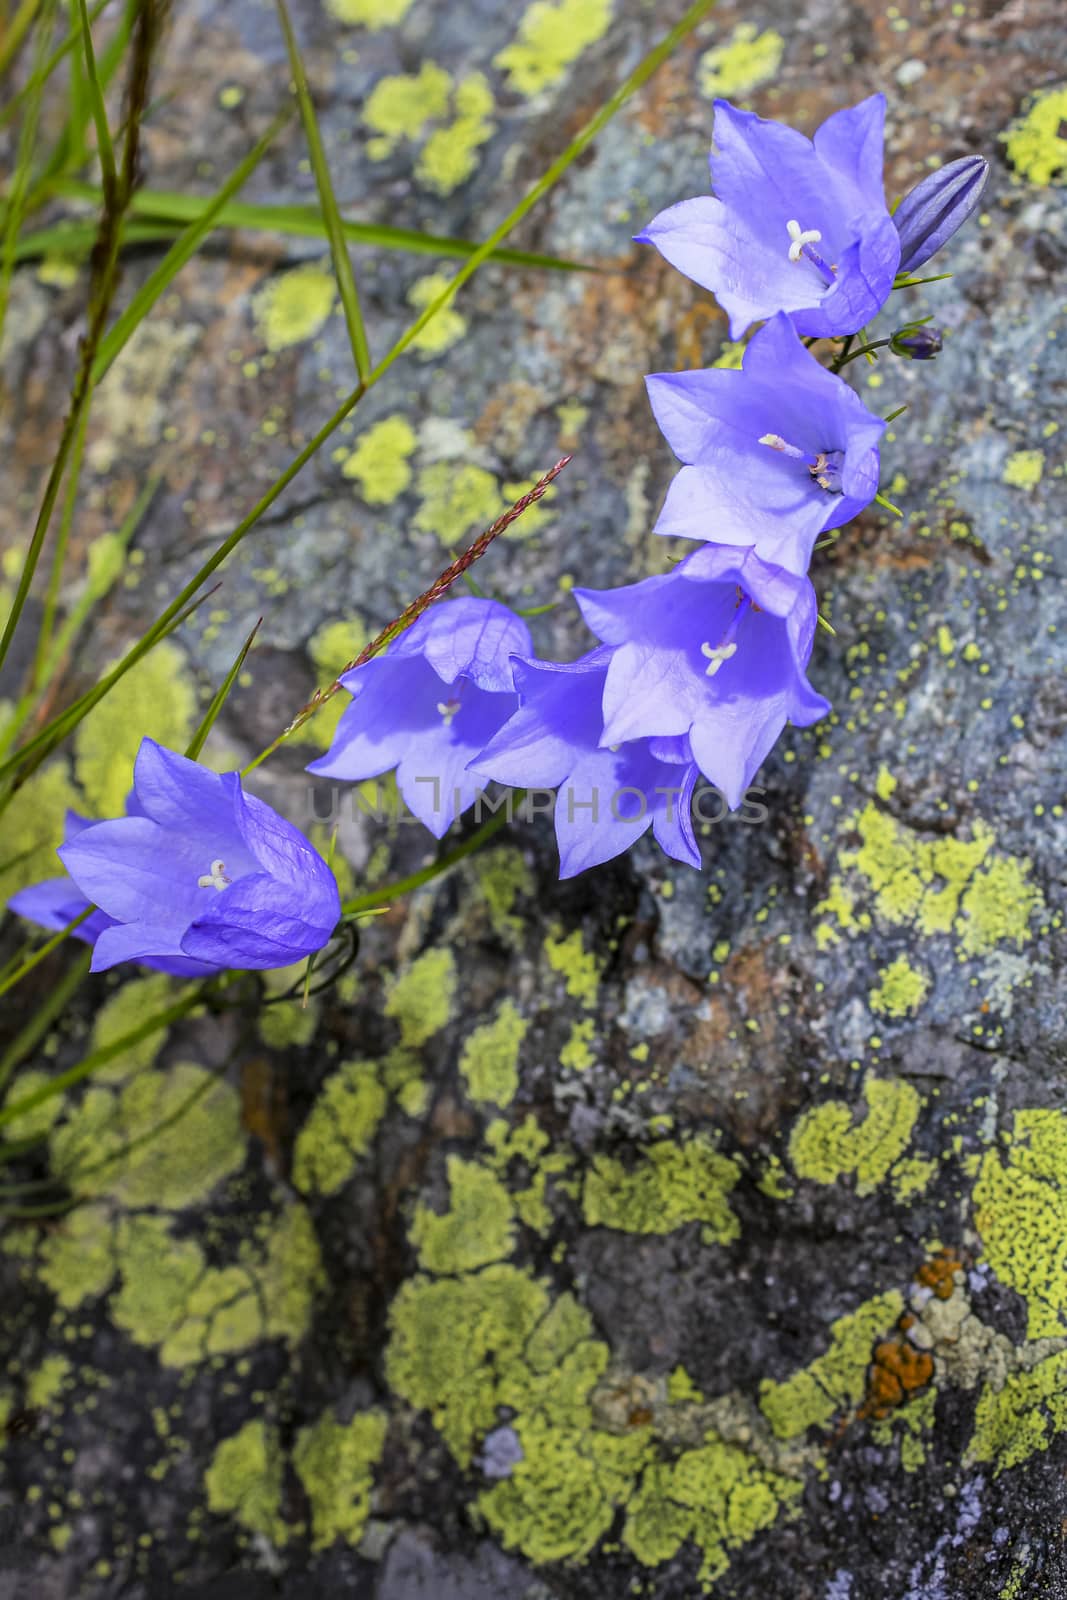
[657,1232]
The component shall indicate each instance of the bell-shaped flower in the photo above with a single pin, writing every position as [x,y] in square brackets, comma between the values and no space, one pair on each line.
[429,706]
[716,651]
[56,902]
[937,208]
[795,224]
[775,453]
[200,871]
[606,798]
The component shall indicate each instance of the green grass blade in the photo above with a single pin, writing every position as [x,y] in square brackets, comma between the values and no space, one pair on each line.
[183,249]
[33,1031]
[342,265]
[20,182]
[13,35]
[75,239]
[54,60]
[95,96]
[174,209]
[18,973]
[199,738]
[49,737]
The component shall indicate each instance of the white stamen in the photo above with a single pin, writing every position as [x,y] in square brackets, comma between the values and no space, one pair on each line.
[717,656]
[216,878]
[775,441]
[799,237]
[448,709]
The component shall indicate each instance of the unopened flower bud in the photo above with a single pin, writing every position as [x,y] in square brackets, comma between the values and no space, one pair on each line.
[917,344]
[939,205]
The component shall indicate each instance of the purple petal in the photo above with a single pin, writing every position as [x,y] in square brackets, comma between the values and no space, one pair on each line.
[289,859]
[937,207]
[468,638]
[136,871]
[258,923]
[151,947]
[559,711]
[594,820]
[394,700]
[852,143]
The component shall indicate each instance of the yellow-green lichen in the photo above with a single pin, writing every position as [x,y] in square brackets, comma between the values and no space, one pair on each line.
[456,500]
[1015,1421]
[380,464]
[33,828]
[529,1144]
[577,964]
[335,1462]
[450,155]
[577,1054]
[1037,146]
[747,59]
[39,1119]
[77,1258]
[399,107]
[912,1424]
[294,306]
[476,1229]
[835,1381]
[551,37]
[902,990]
[446,328]
[501,875]
[244,1481]
[997,907]
[1023,469]
[718,1496]
[671,1184]
[490,1060]
[342,1123]
[826,1144]
[420,999]
[122,1013]
[1020,1203]
[44,1386]
[373,14]
[331,648]
[155,699]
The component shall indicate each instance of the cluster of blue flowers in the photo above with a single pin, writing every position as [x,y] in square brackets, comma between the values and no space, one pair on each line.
[696,672]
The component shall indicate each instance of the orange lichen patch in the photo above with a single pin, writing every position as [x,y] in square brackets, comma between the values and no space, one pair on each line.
[939,1274]
[897,1371]
[691,337]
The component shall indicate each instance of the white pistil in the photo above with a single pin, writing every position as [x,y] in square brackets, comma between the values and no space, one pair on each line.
[799,237]
[216,878]
[717,656]
[448,709]
[774,441]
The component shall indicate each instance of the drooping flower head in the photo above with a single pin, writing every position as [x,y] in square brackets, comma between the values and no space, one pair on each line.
[795,224]
[774,454]
[430,706]
[607,798]
[937,207]
[201,871]
[716,651]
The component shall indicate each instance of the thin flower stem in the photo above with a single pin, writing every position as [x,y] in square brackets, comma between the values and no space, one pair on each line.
[59,556]
[415,880]
[864,350]
[412,612]
[38,956]
[35,1029]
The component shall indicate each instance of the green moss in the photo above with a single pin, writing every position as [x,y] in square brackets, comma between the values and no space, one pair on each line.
[577,964]
[33,828]
[835,1381]
[1020,1203]
[902,990]
[335,1462]
[244,1480]
[476,1229]
[457,499]
[155,699]
[1014,1422]
[124,1011]
[748,58]
[490,1059]
[420,999]
[718,1496]
[450,155]
[373,14]
[77,1258]
[342,1123]
[294,306]
[400,107]
[826,1144]
[1023,469]
[447,327]
[1036,144]
[672,1184]
[501,875]
[551,37]
[44,1386]
[380,462]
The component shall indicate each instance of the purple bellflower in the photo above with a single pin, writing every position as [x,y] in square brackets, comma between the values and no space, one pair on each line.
[607,797]
[937,208]
[201,871]
[774,454]
[430,706]
[56,902]
[715,650]
[795,224]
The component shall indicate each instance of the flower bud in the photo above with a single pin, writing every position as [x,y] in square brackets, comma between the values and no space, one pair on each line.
[917,343]
[929,216]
